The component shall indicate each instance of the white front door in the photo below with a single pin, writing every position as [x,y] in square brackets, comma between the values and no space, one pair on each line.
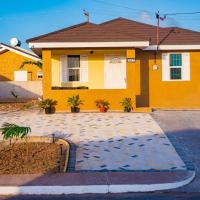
[115,72]
[20,76]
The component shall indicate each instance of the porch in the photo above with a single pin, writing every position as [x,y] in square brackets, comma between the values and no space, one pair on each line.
[110,74]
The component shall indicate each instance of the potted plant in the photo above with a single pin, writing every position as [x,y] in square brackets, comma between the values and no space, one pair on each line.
[102,104]
[48,105]
[74,102]
[127,103]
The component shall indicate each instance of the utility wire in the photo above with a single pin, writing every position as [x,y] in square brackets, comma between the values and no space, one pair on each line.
[121,6]
[186,13]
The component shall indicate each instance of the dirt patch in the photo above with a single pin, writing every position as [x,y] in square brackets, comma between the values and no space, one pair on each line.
[42,158]
[13,106]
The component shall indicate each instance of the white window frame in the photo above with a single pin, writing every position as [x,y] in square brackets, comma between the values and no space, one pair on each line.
[176,67]
[79,68]
[185,68]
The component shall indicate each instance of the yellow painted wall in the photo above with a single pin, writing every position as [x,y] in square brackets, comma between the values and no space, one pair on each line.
[167,94]
[88,96]
[144,83]
[95,67]
[10,62]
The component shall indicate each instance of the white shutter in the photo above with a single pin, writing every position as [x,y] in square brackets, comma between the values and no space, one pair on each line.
[165,67]
[186,66]
[84,68]
[63,67]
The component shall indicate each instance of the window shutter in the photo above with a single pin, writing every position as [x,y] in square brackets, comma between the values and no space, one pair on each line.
[165,67]
[84,68]
[64,71]
[186,66]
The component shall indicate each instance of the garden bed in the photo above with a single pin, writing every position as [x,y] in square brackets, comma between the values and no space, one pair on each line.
[13,106]
[41,157]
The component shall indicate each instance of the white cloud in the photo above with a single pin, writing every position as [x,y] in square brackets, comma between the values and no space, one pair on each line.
[145,16]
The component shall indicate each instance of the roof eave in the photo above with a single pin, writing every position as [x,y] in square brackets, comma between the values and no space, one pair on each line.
[40,45]
[172,47]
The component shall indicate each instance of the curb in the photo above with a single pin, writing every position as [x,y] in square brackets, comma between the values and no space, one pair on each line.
[100,183]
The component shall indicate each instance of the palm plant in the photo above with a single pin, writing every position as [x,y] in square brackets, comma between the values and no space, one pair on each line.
[13,131]
[47,105]
[74,102]
[127,103]
[36,63]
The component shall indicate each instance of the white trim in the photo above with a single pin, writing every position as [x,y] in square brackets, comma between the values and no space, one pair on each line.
[20,52]
[2,49]
[172,47]
[87,44]
[185,68]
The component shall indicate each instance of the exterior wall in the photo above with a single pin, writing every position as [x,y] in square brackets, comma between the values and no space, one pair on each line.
[114,96]
[23,89]
[95,67]
[156,93]
[10,62]
[144,83]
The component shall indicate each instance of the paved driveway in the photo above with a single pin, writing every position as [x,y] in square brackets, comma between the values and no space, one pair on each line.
[108,141]
[183,127]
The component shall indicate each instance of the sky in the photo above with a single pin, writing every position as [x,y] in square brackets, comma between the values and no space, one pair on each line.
[25,19]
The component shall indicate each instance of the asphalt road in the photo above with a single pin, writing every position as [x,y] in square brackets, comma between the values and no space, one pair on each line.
[184,127]
[129,196]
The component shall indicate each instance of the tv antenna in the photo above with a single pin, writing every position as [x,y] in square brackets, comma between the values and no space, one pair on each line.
[87,15]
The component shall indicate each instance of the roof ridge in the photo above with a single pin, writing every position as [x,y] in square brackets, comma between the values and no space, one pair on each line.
[60,30]
[123,18]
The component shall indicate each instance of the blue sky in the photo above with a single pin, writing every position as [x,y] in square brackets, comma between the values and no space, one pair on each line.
[29,18]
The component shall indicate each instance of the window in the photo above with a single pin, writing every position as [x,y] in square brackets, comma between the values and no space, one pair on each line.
[73,65]
[175,66]
[39,74]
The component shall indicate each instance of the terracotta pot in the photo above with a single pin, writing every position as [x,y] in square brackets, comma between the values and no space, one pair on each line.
[103,109]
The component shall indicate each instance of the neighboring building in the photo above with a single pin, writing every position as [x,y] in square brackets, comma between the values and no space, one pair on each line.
[11,58]
[118,59]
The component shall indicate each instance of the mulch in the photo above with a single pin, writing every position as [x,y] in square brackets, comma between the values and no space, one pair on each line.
[31,158]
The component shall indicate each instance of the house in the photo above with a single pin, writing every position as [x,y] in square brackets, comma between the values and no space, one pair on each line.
[11,58]
[121,58]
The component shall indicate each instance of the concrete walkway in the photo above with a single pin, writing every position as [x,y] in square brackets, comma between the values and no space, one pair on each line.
[108,141]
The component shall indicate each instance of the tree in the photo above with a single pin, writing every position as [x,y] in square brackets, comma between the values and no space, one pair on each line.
[36,63]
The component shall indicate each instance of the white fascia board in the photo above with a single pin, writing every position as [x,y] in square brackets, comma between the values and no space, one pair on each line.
[20,52]
[172,47]
[2,49]
[87,44]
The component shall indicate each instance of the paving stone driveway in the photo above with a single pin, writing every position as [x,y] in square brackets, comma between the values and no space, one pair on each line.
[106,141]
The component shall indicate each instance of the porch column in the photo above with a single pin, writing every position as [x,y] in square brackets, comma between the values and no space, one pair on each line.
[131,67]
[46,81]
[132,73]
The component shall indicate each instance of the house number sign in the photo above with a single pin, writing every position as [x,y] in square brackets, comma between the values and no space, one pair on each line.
[130,60]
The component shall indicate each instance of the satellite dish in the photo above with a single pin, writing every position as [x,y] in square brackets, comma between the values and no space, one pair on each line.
[15,42]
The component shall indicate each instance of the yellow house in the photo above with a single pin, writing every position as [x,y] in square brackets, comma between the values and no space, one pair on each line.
[11,58]
[121,58]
